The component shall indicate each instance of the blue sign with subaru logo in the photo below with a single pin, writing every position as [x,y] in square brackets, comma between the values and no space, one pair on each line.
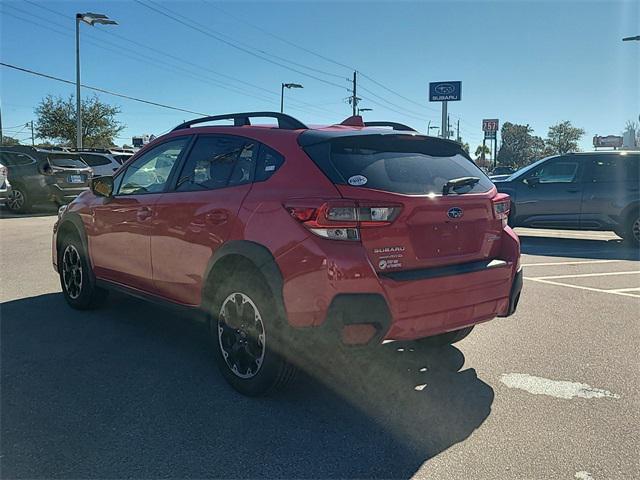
[445,91]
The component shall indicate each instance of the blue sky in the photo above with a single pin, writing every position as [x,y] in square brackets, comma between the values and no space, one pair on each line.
[532,62]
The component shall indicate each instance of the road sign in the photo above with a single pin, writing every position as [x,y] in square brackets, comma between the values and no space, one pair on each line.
[490,125]
[445,91]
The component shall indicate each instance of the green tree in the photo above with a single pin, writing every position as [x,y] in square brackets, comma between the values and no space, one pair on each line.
[56,120]
[482,150]
[519,146]
[8,141]
[563,138]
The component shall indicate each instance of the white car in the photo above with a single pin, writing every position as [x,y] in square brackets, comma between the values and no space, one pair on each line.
[5,187]
[100,163]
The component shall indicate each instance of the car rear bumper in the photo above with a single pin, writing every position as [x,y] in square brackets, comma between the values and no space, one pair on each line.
[411,304]
[422,308]
[65,195]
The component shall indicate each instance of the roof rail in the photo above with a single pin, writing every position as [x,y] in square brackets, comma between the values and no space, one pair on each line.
[285,121]
[393,125]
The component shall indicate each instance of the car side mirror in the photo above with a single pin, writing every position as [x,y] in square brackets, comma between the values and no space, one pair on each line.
[102,186]
[532,181]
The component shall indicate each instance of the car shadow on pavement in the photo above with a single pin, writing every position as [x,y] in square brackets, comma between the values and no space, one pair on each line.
[614,249]
[132,391]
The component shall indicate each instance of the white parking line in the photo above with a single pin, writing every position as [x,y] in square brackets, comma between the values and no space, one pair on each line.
[579,262]
[580,287]
[583,275]
[634,289]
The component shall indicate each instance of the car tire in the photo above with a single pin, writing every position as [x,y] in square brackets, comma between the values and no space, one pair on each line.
[448,338]
[247,336]
[632,228]
[18,200]
[76,276]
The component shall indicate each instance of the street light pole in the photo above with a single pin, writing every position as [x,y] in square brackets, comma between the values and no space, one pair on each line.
[628,39]
[283,86]
[89,19]
[78,106]
[282,99]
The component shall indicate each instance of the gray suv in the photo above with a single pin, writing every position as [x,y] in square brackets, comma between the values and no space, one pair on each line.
[585,191]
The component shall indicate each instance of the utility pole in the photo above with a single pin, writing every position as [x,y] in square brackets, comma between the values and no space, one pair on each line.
[33,143]
[1,135]
[354,98]
[458,132]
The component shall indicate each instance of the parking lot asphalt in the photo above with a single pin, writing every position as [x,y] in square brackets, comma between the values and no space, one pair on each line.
[132,391]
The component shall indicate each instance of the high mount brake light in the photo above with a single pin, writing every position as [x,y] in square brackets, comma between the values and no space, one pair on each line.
[342,219]
[501,208]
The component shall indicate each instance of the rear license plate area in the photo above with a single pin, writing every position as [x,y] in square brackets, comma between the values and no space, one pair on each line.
[75,179]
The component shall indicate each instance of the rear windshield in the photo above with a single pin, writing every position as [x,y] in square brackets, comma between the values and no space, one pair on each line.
[94,160]
[400,164]
[65,160]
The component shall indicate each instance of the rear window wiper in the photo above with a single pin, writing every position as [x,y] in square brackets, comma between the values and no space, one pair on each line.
[456,183]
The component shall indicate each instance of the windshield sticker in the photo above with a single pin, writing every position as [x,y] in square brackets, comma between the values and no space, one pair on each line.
[357,180]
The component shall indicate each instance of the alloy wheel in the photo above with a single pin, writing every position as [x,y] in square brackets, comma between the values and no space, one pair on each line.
[15,200]
[72,271]
[635,230]
[241,335]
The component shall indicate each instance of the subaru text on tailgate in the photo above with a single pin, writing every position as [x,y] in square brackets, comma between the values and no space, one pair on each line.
[277,236]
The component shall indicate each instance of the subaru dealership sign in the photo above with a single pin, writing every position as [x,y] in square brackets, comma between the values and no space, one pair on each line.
[445,91]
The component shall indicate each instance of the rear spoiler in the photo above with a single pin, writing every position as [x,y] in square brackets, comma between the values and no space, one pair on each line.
[395,126]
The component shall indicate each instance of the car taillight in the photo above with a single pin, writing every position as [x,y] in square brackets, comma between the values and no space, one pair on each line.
[501,208]
[342,219]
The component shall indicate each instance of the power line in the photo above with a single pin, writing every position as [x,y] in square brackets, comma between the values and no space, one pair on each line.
[101,90]
[164,66]
[284,40]
[193,25]
[319,55]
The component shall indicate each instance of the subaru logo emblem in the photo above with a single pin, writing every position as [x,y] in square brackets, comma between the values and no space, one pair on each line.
[444,89]
[455,212]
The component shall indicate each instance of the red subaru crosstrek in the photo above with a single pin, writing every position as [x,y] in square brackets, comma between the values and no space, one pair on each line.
[281,236]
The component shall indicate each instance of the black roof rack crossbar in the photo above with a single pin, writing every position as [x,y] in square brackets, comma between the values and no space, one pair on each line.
[393,125]
[285,121]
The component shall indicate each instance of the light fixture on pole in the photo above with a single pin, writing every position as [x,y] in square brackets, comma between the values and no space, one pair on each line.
[629,39]
[90,19]
[360,110]
[286,85]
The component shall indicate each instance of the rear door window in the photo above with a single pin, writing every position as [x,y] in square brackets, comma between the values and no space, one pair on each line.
[396,163]
[12,159]
[218,162]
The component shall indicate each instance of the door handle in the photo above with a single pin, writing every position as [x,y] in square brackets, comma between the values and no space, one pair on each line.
[217,217]
[143,214]
[572,190]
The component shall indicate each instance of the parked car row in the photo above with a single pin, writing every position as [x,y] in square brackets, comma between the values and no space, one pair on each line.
[30,175]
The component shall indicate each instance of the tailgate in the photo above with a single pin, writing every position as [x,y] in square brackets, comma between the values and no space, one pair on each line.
[430,231]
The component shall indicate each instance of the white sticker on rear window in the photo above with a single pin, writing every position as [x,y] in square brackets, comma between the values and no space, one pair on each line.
[357,180]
